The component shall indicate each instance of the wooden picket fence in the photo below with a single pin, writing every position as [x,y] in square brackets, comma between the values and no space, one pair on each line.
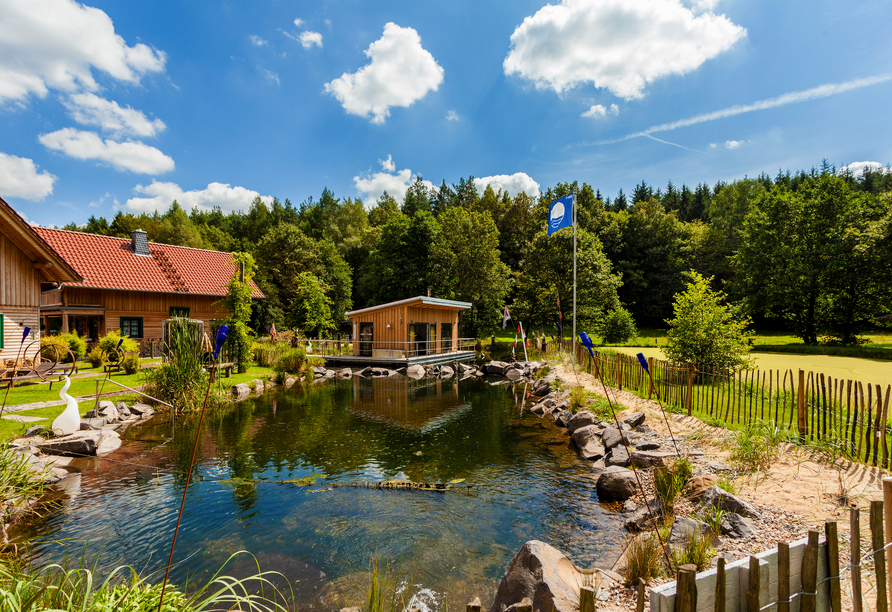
[851,416]
[801,576]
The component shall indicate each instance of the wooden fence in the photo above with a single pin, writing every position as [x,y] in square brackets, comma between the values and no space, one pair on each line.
[850,415]
[801,576]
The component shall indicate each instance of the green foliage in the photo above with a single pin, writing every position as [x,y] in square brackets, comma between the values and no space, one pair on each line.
[131,363]
[644,559]
[238,304]
[19,486]
[618,327]
[697,551]
[668,485]
[95,357]
[67,342]
[111,339]
[385,591]
[310,311]
[683,468]
[578,398]
[705,330]
[181,380]
[291,361]
[754,446]
[728,483]
[713,516]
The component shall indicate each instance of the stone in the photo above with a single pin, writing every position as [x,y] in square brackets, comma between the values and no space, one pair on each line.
[140,409]
[683,529]
[241,390]
[345,373]
[543,389]
[696,486]
[79,444]
[353,609]
[641,519]
[616,484]
[108,410]
[635,419]
[446,372]
[562,419]
[646,445]
[736,526]
[544,575]
[619,456]
[415,371]
[514,374]
[539,408]
[581,419]
[289,381]
[402,370]
[612,438]
[496,368]
[92,424]
[646,459]
[600,464]
[109,442]
[592,450]
[629,506]
[719,498]
[644,428]
[715,466]
[319,370]
[32,431]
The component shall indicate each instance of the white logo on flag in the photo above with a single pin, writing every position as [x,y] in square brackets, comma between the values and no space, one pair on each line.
[557,214]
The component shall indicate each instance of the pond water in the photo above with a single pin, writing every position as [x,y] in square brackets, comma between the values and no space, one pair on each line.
[522,481]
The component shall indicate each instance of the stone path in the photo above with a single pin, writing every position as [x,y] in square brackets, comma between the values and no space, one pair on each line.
[21,418]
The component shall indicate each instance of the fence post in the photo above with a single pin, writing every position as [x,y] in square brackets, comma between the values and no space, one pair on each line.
[650,380]
[879,559]
[809,574]
[475,605]
[686,589]
[833,565]
[887,511]
[752,590]
[619,373]
[720,605]
[586,599]
[783,577]
[690,388]
[855,532]
[639,604]
[801,399]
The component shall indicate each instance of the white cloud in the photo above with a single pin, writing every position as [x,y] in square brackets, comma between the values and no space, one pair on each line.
[102,200]
[373,185]
[512,183]
[599,111]
[308,39]
[619,45]
[57,43]
[272,77]
[858,168]
[90,109]
[225,196]
[258,41]
[703,5]
[298,22]
[19,178]
[400,72]
[713,145]
[733,144]
[451,116]
[133,156]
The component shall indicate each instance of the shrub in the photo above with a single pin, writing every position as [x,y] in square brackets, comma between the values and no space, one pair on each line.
[95,357]
[67,342]
[290,360]
[111,339]
[696,551]
[578,399]
[643,559]
[19,485]
[618,327]
[131,363]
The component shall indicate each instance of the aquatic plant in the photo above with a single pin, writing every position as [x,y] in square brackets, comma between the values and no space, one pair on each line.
[291,360]
[20,485]
[385,591]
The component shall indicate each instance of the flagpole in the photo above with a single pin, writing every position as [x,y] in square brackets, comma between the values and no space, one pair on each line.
[574,275]
[523,338]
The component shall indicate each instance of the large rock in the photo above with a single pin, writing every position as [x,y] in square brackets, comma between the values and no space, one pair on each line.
[241,390]
[562,419]
[613,438]
[258,386]
[123,409]
[446,372]
[109,411]
[642,518]
[635,419]
[141,409]
[646,445]
[696,486]
[581,419]
[514,374]
[345,373]
[683,529]
[647,459]
[496,368]
[78,444]
[542,573]
[619,456]
[616,484]
[719,498]
[289,381]
[582,435]
[415,371]
[109,442]
[736,526]
[588,443]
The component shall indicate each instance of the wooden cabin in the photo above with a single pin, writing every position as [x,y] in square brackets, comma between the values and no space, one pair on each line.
[27,265]
[414,328]
[133,285]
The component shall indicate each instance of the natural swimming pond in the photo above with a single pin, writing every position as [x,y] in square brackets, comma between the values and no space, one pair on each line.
[522,481]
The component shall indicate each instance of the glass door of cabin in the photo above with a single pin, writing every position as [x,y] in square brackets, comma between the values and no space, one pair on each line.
[366,338]
[446,337]
[418,339]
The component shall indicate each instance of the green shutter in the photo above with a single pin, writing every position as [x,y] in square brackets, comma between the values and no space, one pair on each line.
[1,331]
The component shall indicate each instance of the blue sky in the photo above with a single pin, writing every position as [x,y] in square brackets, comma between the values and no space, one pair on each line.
[112,106]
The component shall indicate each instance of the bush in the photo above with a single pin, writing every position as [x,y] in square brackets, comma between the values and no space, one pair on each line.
[111,339]
[643,559]
[618,327]
[290,360]
[131,363]
[95,357]
[578,399]
[181,380]
[66,342]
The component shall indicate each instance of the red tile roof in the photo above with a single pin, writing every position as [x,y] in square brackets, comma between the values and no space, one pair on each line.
[109,263]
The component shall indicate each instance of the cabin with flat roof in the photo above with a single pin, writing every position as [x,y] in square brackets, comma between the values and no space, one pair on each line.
[415,330]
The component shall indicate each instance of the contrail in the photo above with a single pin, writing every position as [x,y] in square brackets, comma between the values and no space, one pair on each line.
[822,91]
[674,144]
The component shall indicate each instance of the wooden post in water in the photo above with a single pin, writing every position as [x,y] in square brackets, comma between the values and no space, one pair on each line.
[879,559]
[783,577]
[855,532]
[686,589]
[810,574]
[833,565]
[801,398]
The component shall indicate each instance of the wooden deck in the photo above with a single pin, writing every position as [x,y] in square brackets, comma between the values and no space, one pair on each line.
[398,362]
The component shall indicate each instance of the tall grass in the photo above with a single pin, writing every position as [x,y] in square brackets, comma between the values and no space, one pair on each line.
[696,551]
[644,559]
[386,591]
[20,486]
[755,446]
[58,588]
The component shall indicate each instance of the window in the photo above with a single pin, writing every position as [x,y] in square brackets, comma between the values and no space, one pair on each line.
[179,311]
[446,337]
[131,326]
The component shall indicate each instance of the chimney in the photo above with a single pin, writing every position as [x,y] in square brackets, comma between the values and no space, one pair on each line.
[139,243]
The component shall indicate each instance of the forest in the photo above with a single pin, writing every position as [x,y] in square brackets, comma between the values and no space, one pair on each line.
[806,251]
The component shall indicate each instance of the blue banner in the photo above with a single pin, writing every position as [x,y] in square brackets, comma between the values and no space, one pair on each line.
[560,215]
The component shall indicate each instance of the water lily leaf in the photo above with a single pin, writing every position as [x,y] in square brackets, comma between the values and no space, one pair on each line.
[456,480]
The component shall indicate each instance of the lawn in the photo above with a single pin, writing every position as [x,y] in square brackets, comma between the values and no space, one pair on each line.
[87,387]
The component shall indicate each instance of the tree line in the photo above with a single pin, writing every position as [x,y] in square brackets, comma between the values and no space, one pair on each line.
[807,251]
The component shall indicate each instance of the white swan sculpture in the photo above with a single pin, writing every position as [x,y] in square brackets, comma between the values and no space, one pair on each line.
[70,420]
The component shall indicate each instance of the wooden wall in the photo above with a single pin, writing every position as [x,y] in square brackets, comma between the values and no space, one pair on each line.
[399,318]
[19,297]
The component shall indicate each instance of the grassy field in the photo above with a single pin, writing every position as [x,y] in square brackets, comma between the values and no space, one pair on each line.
[87,387]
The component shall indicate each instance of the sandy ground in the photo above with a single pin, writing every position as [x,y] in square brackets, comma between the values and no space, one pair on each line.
[815,488]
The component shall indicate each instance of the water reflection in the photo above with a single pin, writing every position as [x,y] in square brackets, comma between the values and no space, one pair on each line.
[522,481]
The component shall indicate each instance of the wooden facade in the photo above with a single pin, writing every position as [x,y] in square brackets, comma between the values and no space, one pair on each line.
[27,264]
[412,327]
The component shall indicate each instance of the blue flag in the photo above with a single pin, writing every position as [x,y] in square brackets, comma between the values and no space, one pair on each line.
[560,215]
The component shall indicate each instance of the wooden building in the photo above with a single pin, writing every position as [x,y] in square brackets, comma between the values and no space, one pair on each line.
[415,329]
[132,285]
[27,264]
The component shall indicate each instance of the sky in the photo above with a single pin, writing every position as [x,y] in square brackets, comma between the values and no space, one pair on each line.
[109,106]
